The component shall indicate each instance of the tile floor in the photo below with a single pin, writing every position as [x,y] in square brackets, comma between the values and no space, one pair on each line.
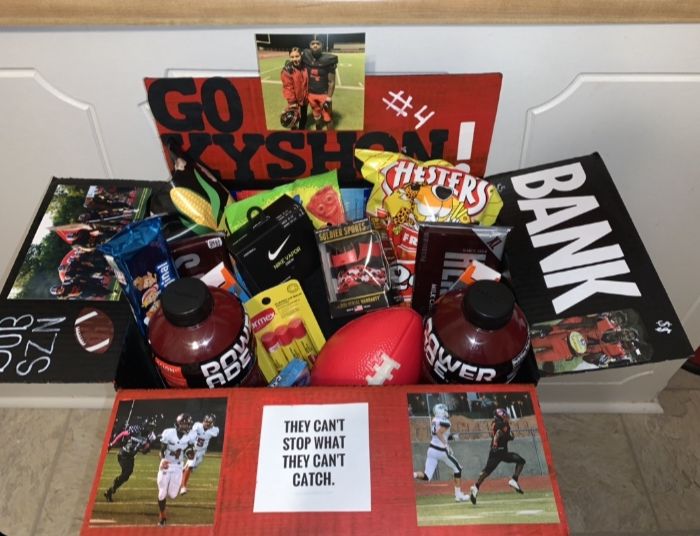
[619,474]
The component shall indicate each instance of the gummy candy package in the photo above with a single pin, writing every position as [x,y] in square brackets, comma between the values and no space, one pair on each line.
[319,195]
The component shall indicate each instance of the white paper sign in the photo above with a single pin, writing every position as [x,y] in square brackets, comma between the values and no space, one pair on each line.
[314,458]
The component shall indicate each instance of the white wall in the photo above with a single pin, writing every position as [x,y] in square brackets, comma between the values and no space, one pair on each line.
[72,104]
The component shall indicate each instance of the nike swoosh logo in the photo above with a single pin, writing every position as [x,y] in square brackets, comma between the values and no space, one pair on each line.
[272,255]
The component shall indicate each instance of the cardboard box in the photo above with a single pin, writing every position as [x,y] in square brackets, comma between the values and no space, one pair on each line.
[64,324]
[328,460]
[581,273]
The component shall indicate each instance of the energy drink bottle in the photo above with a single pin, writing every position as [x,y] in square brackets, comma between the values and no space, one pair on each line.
[476,334]
[201,337]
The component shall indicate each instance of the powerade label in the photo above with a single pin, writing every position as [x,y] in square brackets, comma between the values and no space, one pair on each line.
[229,369]
[443,367]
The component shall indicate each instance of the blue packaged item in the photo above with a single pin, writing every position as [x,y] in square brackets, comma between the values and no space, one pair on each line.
[354,202]
[295,374]
[141,260]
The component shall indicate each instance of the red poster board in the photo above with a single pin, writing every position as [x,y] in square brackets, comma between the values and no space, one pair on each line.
[221,121]
[222,495]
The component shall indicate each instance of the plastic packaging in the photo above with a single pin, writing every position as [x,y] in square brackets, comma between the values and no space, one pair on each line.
[475,335]
[201,337]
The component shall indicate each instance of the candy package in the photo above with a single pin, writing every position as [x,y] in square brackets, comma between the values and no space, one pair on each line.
[194,196]
[140,259]
[319,195]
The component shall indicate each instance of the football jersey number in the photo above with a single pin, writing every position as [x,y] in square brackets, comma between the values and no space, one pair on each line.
[200,441]
[176,453]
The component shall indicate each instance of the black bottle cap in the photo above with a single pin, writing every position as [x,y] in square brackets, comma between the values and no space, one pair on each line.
[186,302]
[488,304]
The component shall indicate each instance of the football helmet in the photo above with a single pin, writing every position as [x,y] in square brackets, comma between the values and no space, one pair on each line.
[183,422]
[208,420]
[501,413]
[440,411]
[290,118]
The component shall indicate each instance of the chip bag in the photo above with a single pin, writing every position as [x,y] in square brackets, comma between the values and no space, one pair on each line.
[319,195]
[410,191]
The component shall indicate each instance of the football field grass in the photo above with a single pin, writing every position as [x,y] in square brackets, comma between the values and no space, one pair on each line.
[136,501]
[348,98]
[491,508]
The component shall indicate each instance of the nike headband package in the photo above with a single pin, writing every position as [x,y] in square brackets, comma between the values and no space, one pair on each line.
[355,268]
[276,245]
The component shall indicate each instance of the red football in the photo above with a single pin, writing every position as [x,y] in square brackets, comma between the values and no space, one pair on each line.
[383,347]
[94,330]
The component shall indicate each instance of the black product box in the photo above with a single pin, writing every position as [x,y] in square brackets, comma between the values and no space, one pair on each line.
[443,253]
[276,245]
[581,273]
[64,325]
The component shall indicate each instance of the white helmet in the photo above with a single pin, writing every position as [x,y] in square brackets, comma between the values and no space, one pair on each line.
[440,411]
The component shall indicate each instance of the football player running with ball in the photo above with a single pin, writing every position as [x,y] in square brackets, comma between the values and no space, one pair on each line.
[204,431]
[501,434]
[439,450]
[175,443]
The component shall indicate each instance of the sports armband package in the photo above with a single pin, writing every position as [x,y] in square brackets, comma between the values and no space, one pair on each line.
[140,259]
[319,195]
[356,271]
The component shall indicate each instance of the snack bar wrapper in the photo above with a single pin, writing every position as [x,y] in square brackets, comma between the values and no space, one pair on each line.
[319,195]
[142,263]
[407,192]
[199,198]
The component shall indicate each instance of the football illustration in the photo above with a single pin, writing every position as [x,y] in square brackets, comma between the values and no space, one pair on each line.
[94,330]
[383,347]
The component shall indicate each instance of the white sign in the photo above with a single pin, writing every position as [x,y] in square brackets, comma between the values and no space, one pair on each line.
[314,458]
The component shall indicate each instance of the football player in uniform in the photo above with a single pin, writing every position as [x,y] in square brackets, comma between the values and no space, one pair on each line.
[133,439]
[175,444]
[501,434]
[439,450]
[295,90]
[204,431]
[321,67]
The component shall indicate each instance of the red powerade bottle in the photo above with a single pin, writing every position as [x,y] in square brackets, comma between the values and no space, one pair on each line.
[201,337]
[477,334]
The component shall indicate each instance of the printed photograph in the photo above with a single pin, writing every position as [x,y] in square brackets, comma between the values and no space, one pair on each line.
[312,81]
[478,459]
[163,464]
[62,262]
[602,340]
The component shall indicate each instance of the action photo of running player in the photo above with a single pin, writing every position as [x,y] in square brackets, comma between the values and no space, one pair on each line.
[439,450]
[324,72]
[204,432]
[457,435]
[160,441]
[501,434]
